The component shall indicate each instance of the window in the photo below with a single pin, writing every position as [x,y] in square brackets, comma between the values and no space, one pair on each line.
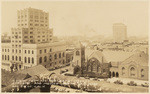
[31,41]
[19,51]
[5,57]
[59,55]
[63,61]
[28,59]
[19,58]
[12,57]
[8,57]
[142,72]
[32,60]
[50,50]
[123,70]
[12,50]
[50,58]
[8,50]
[25,60]
[77,53]
[5,50]
[16,50]
[25,51]
[31,28]
[45,59]
[2,57]
[45,50]
[40,60]
[32,52]
[40,51]
[132,71]
[16,58]
[63,54]
[55,56]
[28,51]
[20,66]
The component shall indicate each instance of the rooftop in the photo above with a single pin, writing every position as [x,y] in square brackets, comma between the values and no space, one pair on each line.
[140,58]
[116,56]
[35,70]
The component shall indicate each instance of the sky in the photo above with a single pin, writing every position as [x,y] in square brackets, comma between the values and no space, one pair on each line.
[88,18]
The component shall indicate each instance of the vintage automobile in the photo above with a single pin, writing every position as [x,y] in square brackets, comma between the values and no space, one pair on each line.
[132,83]
[145,84]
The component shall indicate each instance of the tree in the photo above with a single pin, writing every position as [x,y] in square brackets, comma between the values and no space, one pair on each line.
[77,70]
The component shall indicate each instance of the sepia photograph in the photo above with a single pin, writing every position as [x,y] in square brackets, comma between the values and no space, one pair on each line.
[74,46]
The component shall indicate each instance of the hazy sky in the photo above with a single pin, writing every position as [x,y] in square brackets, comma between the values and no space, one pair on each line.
[82,17]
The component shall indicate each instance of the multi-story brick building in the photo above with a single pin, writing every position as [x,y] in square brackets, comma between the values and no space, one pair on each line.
[31,43]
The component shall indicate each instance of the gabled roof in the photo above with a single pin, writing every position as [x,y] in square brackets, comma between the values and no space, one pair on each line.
[35,70]
[98,55]
[8,77]
[139,58]
[116,56]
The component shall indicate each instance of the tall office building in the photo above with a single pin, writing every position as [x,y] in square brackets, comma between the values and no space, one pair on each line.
[36,23]
[119,32]
[31,43]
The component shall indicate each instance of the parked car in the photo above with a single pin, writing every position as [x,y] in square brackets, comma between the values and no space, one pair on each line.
[87,78]
[118,82]
[100,80]
[66,70]
[62,71]
[145,84]
[132,83]
[95,79]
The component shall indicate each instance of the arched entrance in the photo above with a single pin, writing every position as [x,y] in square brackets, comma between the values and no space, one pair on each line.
[117,74]
[132,72]
[109,74]
[113,74]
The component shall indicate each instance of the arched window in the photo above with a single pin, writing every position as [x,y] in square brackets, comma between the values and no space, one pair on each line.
[32,60]
[132,71]
[8,57]
[28,59]
[55,56]
[50,57]
[2,57]
[123,70]
[12,57]
[5,57]
[19,58]
[142,72]
[77,53]
[94,67]
[40,60]
[45,59]
[63,61]
[16,58]
[89,68]
[63,54]
[59,55]
[25,60]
